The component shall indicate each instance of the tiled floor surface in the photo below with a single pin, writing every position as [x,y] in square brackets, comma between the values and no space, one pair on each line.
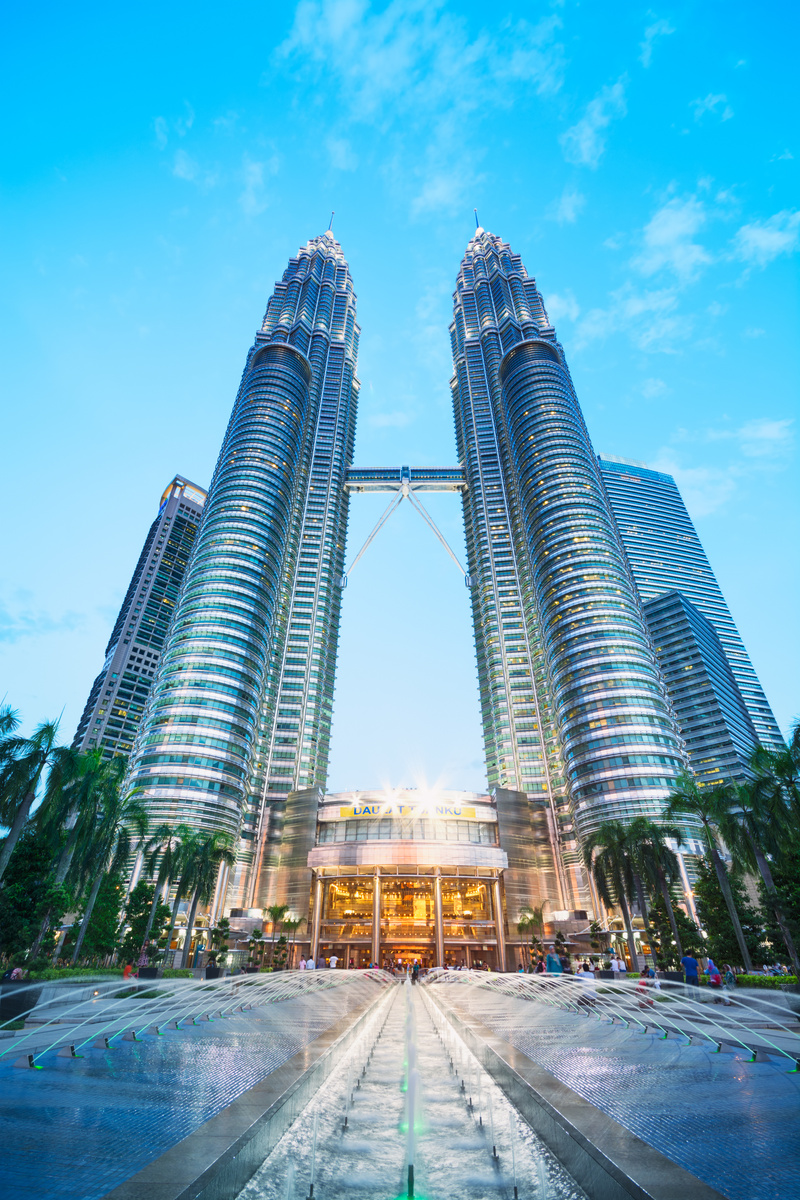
[77,1128]
[733,1123]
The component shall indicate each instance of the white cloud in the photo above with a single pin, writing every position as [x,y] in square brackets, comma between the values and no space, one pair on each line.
[562,306]
[710,104]
[341,154]
[649,318]
[414,64]
[786,156]
[704,489]
[652,33]
[667,240]
[653,388]
[763,438]
[188,168]
[161,128]
[185,167]
[584,142]
[754,331]
[180,125]
[567,207]
[759,242]
[414,54]
[253,199]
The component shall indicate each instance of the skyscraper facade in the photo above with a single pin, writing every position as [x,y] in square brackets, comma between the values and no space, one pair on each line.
[575,711]
[713,719]
[119,693]
[665,555]
[239,712]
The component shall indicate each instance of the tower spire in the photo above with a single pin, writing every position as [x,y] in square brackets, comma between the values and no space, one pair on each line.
[477,222]
[330,223]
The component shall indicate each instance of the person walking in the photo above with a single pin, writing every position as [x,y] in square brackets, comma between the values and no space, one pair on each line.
[333,962]
[310,964]
[691,969]
[415,972]
[553,966]
[588,983]
[302,964]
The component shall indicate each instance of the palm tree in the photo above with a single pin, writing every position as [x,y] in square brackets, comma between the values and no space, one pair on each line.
[530,926]
[205,854]
[276,913]
[292,926]
[711,805]
[607,856]
[9,723]
[163,851]
[778,774]
[75,794]
[120,828]
[654,861]
[23,764]
[752,826]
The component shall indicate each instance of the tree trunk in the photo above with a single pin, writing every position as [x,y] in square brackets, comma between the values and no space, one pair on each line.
[17,825]
[637,879]
[87,916]
[153,907]
[64,864]
[189,928]
[673,924]
[727,895]
[174,917]
[626,916]
[772,892]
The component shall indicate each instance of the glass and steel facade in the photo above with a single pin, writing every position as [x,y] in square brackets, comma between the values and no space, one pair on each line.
[239,712]
[713,718]
[119,694]
[665,555]
[575,711]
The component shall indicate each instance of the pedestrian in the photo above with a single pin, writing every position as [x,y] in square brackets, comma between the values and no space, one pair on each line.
[691,968]
[565,965]
[588,982]
[302,962]
[310,964]
[128,969]
[553,966]
[333,962]
[521,969]
[622,966]
[714,980]
[729,984]
[415,972]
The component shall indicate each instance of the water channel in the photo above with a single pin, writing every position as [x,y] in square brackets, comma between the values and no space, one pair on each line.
[410,1094]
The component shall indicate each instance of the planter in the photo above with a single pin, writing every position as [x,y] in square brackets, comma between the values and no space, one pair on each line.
[675,976]
[17,997]
[606,974]
[148,972]
[214,972]
[251,970]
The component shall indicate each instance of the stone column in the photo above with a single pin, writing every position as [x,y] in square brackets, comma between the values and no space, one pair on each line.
[376,917]
[317,917]
[437,918]
[498,924]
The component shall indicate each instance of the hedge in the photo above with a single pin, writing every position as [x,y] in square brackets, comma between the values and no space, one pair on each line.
[776,982]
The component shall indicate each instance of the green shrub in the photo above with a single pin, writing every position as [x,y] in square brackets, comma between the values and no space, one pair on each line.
[178,973]
[52,974]
[765,981]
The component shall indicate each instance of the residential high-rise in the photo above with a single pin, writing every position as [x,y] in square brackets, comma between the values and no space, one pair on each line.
[239,712]
[665,555]
[575,712]
[119,693]
[712,715]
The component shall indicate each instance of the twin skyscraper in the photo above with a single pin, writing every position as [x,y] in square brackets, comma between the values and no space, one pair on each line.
[579,722]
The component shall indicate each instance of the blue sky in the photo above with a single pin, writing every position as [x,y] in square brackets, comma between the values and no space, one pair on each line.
[163,163]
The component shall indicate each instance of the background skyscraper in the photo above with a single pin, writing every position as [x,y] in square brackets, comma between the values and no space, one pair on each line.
[713,719]
[233,719]
[665,555]
[575,711]
[119,693]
